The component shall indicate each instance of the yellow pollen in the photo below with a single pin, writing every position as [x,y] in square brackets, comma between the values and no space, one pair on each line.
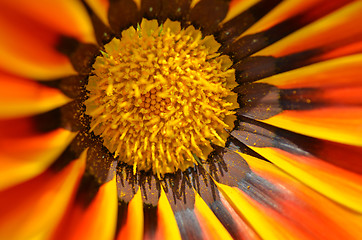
[160,96]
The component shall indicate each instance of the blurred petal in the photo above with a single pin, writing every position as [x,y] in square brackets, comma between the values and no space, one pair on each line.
[25,157]
[23,127]
[21,97]
[33,35]
[94,220]
[47,197]
[133,228]
[100,7]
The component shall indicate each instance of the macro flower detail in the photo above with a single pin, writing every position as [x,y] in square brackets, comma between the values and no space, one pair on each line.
[180,119]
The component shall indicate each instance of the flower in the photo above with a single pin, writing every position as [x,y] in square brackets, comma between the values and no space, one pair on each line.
[288,167]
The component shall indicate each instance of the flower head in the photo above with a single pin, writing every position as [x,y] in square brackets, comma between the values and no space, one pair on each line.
[180,119]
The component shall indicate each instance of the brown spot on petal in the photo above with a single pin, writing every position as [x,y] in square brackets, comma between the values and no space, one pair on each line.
[175,9]
[122,14]
[151,9]
[207,14]
[258,100]
[100,165]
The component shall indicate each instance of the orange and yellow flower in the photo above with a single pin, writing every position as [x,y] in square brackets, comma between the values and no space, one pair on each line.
[289,167]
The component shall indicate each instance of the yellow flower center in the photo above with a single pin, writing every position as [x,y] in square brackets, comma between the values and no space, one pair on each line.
[160,96]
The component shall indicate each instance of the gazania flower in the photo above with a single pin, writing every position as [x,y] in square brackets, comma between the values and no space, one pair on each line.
[170,119]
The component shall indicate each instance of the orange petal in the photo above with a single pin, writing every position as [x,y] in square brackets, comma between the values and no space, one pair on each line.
[31,33]
[210,225]
[335,183]
[34,208]
[26,157]
[167,225]
[94,221]
[133,228]
[335,27]
[100,7]
[20,97]
[307,209]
